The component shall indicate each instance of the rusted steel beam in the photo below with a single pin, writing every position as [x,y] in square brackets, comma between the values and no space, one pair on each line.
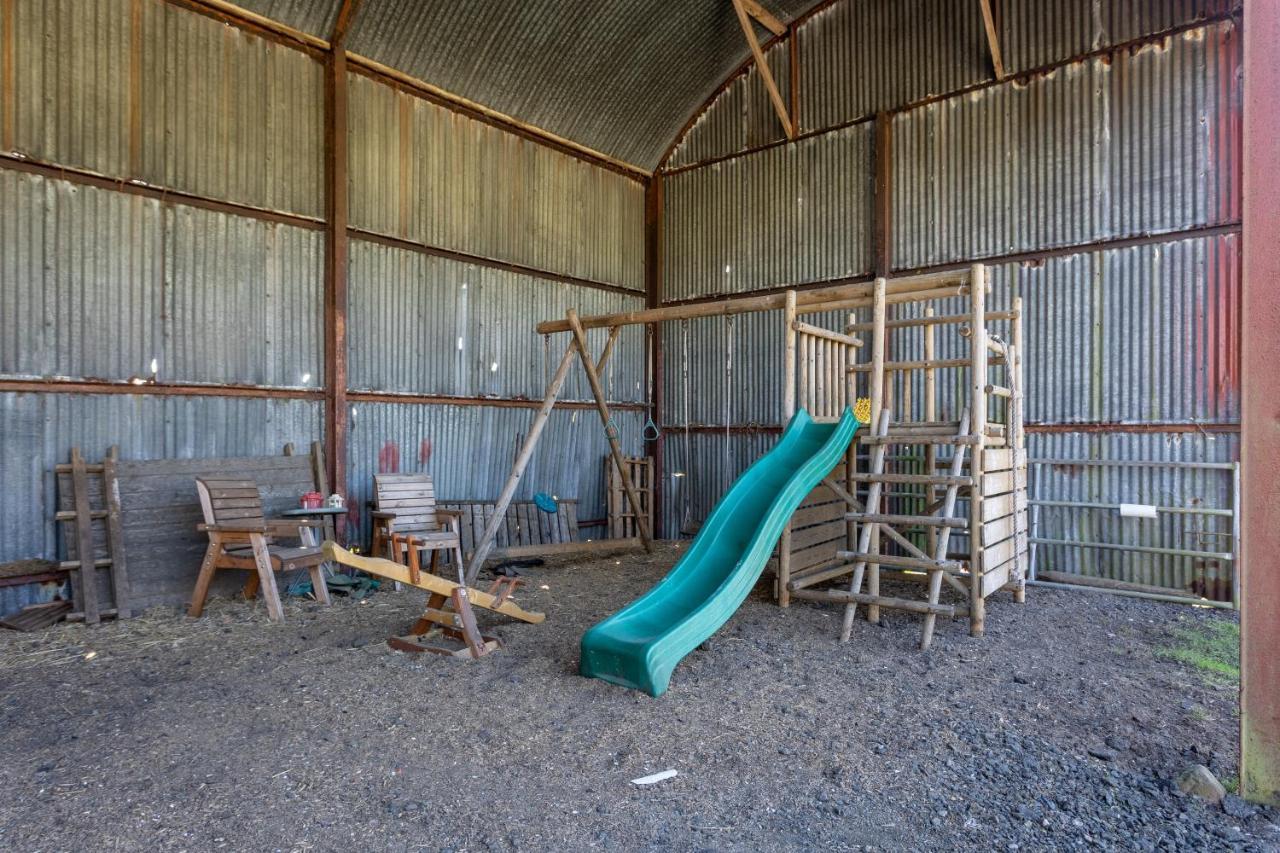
[493,402]
[793,61]
[336,253]
[1260,413]
[653,248]
[1140,429]
[493,263]
[166,196]
[8,98]
[320,49]
[1143,428]
[882,218]
[95,386]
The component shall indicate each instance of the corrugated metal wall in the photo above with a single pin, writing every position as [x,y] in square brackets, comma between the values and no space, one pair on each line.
[431,325]
[424,173]
[1123,146]
[97,284]
[1140,143]
[172,99]
[40,429]
[786,215]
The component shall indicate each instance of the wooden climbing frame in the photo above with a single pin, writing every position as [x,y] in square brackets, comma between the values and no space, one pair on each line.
[926,452]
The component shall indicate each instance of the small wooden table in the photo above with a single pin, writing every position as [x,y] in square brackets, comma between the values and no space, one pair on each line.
[308,535]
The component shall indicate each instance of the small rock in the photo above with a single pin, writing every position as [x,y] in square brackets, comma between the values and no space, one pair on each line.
[1019,678]
[1238,808]
[1119,744]
[1200,781]
[1102,753]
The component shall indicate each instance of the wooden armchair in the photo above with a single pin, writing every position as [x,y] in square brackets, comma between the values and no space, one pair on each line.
[240,537]
[405,508]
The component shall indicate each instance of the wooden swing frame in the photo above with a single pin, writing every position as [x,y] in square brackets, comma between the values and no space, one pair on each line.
[835,298]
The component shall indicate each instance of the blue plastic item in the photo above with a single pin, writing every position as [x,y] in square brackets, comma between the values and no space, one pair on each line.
[546,503]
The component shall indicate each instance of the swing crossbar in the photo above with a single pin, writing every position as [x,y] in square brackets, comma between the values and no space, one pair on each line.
[905,289]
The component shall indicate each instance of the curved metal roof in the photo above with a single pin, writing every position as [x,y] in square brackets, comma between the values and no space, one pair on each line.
[618,76]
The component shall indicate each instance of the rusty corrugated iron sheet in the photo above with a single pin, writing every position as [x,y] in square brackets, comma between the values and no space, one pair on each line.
[423,173]
[787,215]
[315,17]
[1145,143]
[102,285]
[619,76]
[429,325]
[740,117]
[181,101]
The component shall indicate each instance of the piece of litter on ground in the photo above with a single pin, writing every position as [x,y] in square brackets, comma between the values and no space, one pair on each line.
[654,778]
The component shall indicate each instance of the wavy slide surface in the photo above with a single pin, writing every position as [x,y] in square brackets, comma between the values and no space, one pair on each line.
[641,644]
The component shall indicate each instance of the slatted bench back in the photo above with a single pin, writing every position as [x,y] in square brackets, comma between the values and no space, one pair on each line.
[228,501]
[412,497]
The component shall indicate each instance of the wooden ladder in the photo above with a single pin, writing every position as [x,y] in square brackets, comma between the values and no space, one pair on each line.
[944,535]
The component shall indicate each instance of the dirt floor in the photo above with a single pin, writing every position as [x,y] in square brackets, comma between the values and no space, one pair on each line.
[1063,728]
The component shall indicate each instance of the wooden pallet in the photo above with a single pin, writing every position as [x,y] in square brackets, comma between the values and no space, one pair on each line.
[89,509]
[523,525]
[622,519]
[37,617]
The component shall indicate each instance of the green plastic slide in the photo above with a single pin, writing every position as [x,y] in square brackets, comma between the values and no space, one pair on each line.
[641,644]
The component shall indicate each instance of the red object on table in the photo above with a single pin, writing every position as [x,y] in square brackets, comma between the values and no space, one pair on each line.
[312,500]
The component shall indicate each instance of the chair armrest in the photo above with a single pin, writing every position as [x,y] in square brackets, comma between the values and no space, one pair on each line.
[229,527]
[291,526]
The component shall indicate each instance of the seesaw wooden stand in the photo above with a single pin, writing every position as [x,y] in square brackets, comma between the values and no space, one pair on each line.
[448,614]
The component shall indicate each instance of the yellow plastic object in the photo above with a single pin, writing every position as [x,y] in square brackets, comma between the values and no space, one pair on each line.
[862,410]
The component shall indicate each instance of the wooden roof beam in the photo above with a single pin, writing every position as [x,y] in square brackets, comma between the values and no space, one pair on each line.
[765,17]
[762,66]
[993,38]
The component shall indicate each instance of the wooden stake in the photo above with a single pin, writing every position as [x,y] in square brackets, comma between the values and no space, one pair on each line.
[879,314]
[615,447]
[783,594]
[978,414]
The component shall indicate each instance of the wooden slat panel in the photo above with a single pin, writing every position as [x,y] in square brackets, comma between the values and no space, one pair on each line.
[819,514]
[994,579]
[997,460]
[815,556]
[810,536]
[1002,505]
[998,483]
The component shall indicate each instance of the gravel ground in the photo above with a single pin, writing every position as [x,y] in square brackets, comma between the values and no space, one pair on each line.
[1061,729]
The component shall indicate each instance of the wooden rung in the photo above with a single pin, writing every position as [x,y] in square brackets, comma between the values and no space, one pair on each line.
[890,366]
[826,334]
[925,439]
[903,562]
[999,391]
[75,564]
[938,320]
[921,479]
[844,596]
[65,468]
[70,514]
[908,520]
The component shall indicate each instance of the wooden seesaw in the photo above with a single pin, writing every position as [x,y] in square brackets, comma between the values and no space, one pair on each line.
[449,607]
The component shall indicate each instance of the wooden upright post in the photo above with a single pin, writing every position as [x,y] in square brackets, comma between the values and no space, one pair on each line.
[1018,438]
[1260,420]
[978,427]
[337,206]
[930,415]
[615,447]
[788,410]
[485,545]
[879,336]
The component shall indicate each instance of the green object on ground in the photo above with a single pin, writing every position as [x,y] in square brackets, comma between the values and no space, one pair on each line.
[641,644]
